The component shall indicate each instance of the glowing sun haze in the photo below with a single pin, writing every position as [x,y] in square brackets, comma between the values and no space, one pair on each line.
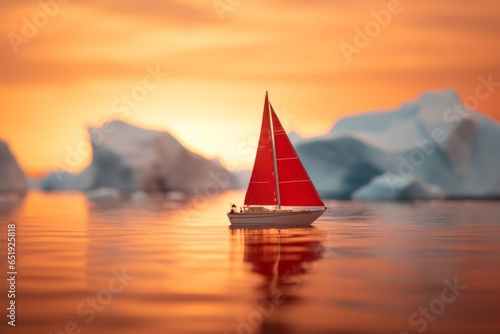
[75,67]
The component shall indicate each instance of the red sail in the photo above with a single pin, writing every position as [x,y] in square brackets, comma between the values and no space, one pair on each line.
[262,187]
[296,188]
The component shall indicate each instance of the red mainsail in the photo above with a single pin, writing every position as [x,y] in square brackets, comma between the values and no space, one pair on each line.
[295,186]
[262,187]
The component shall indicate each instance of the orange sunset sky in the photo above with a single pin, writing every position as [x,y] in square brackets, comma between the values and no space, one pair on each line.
[65,65]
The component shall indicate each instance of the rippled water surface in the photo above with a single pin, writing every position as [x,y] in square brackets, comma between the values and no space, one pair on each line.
[160,267]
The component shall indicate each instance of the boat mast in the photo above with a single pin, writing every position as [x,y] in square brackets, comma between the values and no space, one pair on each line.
[273,148]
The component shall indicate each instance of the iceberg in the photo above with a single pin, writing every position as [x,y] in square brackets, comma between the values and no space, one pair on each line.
[62,180]
[104,194]
[409,189]
[12,178]
[241,178]
[432,148]
[128,158]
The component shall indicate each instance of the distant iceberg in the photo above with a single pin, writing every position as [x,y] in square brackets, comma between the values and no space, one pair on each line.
[129,158]
[432,148]
[429,149]
[12,178]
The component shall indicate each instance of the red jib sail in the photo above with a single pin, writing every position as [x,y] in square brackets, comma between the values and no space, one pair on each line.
[295,186]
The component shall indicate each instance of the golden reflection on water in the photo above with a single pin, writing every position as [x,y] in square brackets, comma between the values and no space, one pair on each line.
[362,268]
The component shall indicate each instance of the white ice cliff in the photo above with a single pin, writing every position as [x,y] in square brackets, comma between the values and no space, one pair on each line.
[129,158]
[432,148]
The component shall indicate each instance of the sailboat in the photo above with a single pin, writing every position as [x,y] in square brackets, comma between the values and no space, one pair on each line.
[280,192]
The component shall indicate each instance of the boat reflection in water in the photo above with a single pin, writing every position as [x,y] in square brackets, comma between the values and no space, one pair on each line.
[284,258]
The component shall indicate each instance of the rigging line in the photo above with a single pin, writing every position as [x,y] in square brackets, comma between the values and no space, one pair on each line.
[294,181]
[292,158]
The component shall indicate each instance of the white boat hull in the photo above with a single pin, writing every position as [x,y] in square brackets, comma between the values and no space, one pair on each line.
[274,218]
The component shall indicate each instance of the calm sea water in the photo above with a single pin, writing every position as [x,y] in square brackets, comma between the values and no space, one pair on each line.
[159,267]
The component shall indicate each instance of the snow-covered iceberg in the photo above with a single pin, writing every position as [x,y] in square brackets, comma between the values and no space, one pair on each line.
[432,148]
[129,158]
[12,178]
